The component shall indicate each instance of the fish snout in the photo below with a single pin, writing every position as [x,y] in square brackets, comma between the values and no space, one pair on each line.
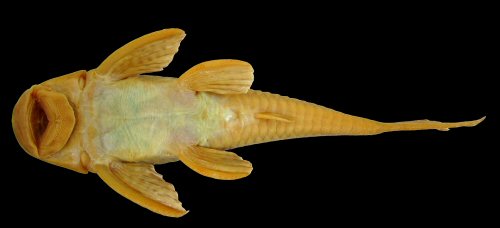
[43,121]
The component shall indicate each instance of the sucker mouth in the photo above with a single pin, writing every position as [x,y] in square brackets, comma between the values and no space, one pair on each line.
[38,121]
[43,121]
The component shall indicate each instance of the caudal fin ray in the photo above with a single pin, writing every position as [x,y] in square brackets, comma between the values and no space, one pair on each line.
[416,125]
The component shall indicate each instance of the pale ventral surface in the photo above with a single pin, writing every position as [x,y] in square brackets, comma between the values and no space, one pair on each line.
[117,123]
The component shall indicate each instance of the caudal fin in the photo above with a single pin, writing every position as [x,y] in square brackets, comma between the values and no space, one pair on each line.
[427,125]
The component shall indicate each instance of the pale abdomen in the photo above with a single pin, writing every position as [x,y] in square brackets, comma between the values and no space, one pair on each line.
[144,119]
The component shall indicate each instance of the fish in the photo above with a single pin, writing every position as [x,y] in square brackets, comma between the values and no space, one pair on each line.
[117,122]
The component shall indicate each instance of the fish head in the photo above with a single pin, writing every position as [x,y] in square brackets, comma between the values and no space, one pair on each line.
[45,117]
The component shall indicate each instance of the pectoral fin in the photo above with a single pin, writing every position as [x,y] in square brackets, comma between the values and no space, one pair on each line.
[140,183]
[146,54]
[225,76]
[216,164]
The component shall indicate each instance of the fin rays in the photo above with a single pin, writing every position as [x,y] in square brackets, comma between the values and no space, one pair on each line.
[216,164]
[146,54]
[140,183]
[224,76]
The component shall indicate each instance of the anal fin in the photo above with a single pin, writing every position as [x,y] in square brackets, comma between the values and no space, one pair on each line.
[216,164]
[273,116]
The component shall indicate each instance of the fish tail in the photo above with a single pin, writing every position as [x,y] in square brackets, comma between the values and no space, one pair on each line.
[416,125]
[264,117]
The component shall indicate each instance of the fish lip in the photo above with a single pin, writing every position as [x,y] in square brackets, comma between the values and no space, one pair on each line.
[43,120]
[21,123]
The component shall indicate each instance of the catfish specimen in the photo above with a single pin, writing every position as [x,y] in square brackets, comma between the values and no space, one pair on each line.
[118,123]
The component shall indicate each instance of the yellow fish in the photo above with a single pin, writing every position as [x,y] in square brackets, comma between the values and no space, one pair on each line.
[118,123]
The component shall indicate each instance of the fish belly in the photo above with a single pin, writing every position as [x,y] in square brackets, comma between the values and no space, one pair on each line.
[144,119]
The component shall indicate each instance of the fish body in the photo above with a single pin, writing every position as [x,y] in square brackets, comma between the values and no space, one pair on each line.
[118,122]
[156,117]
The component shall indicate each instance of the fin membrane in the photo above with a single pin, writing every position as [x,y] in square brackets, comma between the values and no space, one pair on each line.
[146,54]
[140,183]
[216,164]
[225,76]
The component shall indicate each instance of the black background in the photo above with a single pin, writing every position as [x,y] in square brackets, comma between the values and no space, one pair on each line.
[385,62]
